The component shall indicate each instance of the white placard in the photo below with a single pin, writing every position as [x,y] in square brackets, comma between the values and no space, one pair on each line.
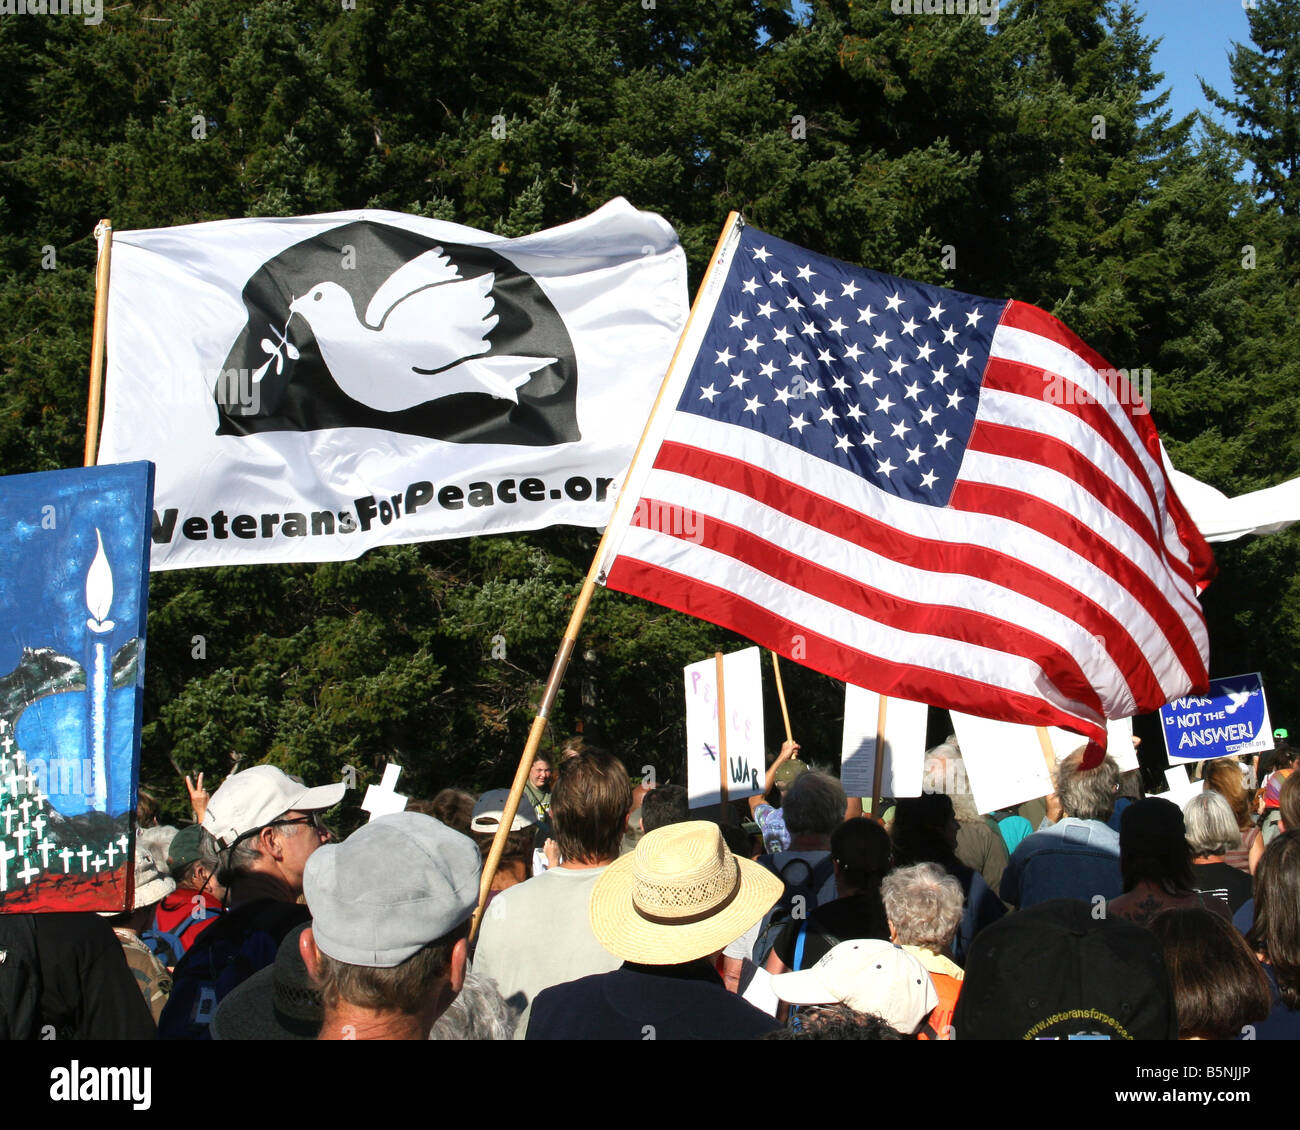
[1004,761]
[1181,789]
[905,724]
[1119,743]
[743,689]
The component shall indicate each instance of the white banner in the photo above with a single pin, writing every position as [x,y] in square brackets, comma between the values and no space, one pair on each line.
[311,388]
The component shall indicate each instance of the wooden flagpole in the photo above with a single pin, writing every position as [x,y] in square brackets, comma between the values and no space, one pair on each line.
[780,694]
[722,738]
[562,656]
[878,770]
[104,236]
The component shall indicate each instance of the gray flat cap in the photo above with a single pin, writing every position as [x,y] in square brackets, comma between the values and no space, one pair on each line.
[392,887]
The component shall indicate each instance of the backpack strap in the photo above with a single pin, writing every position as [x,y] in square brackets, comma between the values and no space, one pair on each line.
[808,867]
[799,943]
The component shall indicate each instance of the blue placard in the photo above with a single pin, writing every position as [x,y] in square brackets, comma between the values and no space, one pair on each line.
[74,587]
[1231,719]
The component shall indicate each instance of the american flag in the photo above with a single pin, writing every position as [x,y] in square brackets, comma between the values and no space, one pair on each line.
[932,495]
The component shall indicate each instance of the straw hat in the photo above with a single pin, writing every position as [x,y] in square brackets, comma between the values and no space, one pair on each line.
[680,896]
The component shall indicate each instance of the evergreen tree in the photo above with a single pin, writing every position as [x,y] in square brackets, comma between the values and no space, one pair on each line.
[1267,113]
[1030,158]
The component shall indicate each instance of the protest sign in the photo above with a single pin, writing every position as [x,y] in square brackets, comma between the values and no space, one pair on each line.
[1006,765]
[905,723]
[1231,719]
[73,599]
[1180,787]
[745,765]
[1004,762]
[1119,743]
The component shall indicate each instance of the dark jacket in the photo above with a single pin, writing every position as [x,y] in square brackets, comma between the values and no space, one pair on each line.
[65,977]
[646,1002]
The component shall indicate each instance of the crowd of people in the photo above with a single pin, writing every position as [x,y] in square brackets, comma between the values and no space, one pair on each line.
[618,912]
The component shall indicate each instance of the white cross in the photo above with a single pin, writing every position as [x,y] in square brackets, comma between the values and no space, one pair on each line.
[383,798]
[9,815]
[28,873]
[5,763]
[6,854]
[39,824]
[45,847]
[85,853]
[112,853]
[32,780]
[123,842]
[26,809]
[12,782]
[97,863]
[21,836]
[39,798]
[7,742]
[66,855]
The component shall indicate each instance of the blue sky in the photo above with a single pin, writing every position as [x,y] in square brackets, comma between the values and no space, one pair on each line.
[1197,36]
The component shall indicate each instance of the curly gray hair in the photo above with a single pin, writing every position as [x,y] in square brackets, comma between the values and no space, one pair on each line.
[924,905]
[945,772]
[478,1013]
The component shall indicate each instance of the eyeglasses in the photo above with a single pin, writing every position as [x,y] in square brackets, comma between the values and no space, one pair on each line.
[313,819]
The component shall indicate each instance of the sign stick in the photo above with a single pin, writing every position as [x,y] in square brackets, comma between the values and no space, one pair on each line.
[561,662]
[780,694]
[878,771]
[104,235]
[722,740]
[1049,754]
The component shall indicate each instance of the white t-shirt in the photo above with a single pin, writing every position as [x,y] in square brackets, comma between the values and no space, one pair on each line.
[538,933]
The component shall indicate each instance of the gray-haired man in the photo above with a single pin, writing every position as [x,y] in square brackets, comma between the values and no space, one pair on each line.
[1078,856]
[265,826]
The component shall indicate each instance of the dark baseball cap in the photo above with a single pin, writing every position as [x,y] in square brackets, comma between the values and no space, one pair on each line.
[1056,972]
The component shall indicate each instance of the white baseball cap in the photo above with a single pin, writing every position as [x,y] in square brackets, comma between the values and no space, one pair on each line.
[868,975]
[254,798]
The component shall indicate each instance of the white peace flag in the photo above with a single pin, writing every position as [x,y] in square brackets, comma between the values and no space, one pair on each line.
[310,388]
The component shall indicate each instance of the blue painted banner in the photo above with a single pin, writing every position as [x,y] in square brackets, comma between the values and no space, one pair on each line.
[74,546]
[1231,719]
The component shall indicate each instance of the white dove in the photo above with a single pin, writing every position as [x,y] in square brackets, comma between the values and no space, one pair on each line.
[1239,699]
[422,338]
